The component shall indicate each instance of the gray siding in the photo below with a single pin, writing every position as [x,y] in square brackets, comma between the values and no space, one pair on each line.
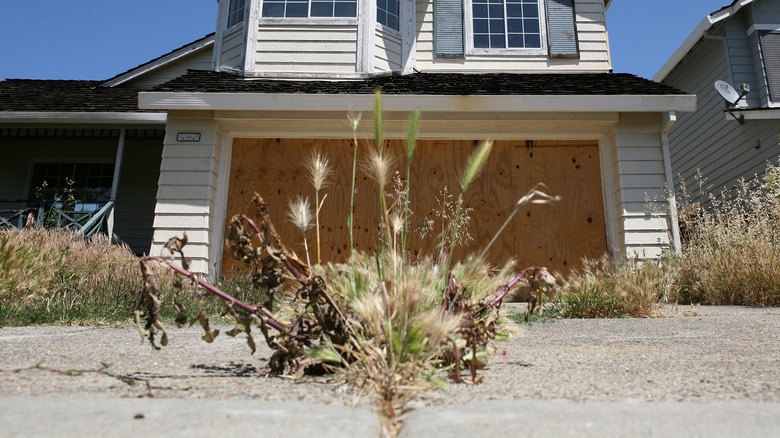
[766,11]
[705,140]
[742,52]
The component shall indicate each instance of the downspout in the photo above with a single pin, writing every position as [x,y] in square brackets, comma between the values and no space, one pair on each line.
[670,118]
[120,152]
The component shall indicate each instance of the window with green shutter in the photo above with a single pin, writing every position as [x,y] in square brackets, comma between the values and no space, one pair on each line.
[770,54]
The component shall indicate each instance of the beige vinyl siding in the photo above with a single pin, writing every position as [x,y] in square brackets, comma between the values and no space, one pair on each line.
[187,189]
[706,141]
[639,174]
[306,48]
[591,34]
[233,48]
[387,50]
[198,60]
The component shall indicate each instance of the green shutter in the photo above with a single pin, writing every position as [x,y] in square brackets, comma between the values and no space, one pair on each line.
[448,28]
[561,29]
[770,51]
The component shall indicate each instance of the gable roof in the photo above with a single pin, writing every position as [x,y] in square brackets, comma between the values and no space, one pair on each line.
[448,84]
[161,61]
[699,32]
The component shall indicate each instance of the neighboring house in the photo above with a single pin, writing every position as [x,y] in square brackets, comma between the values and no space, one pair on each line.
[738,44]
[533,75]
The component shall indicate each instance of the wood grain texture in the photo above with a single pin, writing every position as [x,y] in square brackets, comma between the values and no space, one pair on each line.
[556,235]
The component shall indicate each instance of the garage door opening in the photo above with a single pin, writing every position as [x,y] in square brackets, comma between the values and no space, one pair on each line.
[556,235]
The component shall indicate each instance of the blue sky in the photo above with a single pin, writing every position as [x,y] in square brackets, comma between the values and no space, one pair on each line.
[97,39]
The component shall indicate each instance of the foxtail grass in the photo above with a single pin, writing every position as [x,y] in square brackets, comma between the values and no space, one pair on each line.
[319,173]
[300,216]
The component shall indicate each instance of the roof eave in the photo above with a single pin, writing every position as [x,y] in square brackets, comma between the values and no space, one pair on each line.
[700,30]
[77,117]
[409,102]
[161,62]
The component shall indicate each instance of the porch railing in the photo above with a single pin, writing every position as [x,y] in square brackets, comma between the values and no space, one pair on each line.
[16,214]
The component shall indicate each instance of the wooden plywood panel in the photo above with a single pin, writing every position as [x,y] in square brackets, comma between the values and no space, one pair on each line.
[560,234]
[556,236]
[275,168]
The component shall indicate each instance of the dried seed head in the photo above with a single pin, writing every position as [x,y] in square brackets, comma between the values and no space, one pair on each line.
[396,223]
[300,213]
[537,196]
[475,164]
[318,168]
[354,119]
[379,166]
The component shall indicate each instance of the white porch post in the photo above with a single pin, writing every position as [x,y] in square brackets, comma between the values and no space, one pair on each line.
[120,152]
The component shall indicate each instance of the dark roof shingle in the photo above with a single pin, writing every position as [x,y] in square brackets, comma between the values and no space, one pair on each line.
[429,84]
[65,96]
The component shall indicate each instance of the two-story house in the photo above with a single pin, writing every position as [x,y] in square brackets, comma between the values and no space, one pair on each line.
[532,75]
[738,44]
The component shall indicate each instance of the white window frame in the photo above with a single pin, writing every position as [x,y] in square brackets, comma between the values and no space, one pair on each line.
[240,21]
[468,30]
[308,19]
[399,14]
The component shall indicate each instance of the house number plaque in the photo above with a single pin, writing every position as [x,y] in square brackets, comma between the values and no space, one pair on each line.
[192,137]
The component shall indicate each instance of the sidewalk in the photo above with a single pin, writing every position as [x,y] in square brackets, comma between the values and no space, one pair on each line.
[713,374]
[64,417]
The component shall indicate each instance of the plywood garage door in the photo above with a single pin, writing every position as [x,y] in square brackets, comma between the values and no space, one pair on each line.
[556,236]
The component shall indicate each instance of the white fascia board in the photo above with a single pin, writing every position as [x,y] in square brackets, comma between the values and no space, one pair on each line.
[764,114]
[99,118]
[695,36]
[607,4]
[165,60]
[343,102]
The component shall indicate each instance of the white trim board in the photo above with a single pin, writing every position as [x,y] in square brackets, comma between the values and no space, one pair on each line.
[764,114]
[451,103]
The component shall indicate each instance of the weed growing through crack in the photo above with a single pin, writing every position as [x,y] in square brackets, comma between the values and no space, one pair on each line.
[384,322]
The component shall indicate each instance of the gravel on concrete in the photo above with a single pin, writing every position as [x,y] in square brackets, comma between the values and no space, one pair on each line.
[716,358]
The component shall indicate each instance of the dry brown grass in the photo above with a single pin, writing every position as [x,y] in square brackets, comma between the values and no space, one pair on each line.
[54,276]
[731,252]
[605,289]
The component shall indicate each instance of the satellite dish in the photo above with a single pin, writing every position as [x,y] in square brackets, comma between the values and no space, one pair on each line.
[727,92]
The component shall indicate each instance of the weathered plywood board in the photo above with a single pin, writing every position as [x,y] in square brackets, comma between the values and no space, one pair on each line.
[556,236]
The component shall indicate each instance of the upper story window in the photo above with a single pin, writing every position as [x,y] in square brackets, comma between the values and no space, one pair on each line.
[236,12]
[506,24]
[309,8]
[387,13]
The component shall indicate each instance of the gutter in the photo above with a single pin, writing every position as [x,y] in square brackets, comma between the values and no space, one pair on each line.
[75,117]
[670,119]
[410,102]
